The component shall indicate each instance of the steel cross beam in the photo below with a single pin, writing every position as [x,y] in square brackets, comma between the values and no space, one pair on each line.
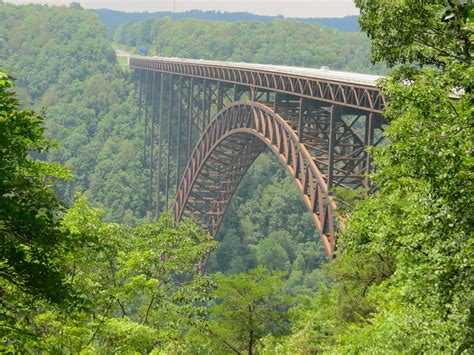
[208,130]
[348,94]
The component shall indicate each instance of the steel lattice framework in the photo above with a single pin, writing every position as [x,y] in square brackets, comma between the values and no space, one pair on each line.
[206,122]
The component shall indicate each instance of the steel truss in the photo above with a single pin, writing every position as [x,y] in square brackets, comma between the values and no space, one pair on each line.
[349,95]
[201,135]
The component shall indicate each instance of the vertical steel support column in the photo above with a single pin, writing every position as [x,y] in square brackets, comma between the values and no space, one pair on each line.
[276,102]
[145,136]
[140,104]
[146,117]
[368,142]
[203,107]
[190,116]
[236,92]
[335,115]
[178,130]
[158,169]
[209,103]
[253,93]
[220,98]
[300,120]
[140,89]
[152,143]
[170,115]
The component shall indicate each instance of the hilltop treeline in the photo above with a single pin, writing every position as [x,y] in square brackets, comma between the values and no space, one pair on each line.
[113,18]
[277,42]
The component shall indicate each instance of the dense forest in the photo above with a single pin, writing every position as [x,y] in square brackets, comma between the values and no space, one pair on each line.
[63,63]
[82,270]
[113,19]
[276,42]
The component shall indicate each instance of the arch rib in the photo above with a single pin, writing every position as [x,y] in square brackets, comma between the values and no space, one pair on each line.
[225,151]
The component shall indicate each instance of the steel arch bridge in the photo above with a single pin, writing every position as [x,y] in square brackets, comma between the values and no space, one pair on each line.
[206,122]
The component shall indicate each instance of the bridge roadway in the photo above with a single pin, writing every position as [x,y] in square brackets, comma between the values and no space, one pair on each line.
[205,122]
[314,73]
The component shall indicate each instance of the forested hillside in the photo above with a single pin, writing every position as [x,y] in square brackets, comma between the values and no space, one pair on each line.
[276,42]
[63,63]
[75,278]
[113,18]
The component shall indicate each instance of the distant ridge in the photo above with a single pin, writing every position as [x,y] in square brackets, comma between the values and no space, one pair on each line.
[113,19]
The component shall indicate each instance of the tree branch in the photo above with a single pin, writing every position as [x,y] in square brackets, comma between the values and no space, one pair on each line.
[145,318]
[98,327]
[223,342]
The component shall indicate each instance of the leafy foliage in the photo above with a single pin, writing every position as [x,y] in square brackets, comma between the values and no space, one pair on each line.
[136,288]
[31,240]
[414,288]
[246,308]
[440,32]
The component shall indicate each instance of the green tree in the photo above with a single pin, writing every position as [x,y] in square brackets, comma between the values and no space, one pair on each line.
[33,244]
[30,213]
[313,326]
[276,252]
[140,281]
[321,318]
[272,255]
[440,32]
[136,289]
[421,218]
[405,282]
[247,307]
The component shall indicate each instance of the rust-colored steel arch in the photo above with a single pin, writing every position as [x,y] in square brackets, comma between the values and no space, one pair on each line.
[225,151]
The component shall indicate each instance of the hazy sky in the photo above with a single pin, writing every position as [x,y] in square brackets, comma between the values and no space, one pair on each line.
[289,8]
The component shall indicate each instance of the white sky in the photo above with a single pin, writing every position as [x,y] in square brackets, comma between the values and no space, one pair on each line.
[288,8]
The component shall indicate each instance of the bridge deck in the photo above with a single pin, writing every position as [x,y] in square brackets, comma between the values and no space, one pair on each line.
[358,91]
[311,73]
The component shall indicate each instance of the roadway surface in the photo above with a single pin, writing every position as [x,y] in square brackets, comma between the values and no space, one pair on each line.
[323,73]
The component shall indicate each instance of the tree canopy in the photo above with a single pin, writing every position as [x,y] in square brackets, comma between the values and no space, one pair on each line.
[280,42]
[440,32]
[32,240]
[406,272]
